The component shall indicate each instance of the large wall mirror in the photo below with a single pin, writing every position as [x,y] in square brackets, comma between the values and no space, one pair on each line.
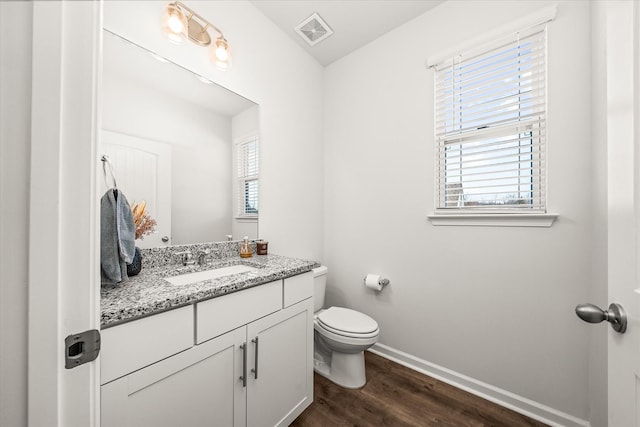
[178,141]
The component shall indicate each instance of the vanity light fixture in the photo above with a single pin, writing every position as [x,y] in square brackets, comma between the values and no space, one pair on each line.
[181,23]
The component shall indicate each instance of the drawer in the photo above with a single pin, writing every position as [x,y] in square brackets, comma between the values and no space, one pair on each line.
[139,343]
[219,315]
[298,288]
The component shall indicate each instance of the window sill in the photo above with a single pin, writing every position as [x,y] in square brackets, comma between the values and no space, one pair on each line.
[493,220]
[247,218]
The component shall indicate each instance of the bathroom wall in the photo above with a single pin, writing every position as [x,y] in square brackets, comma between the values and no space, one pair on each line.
[493,303]
[15,135]
[200,158]
[273,71]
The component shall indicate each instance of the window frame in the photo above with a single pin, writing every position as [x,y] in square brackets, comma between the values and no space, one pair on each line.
[243,176]
[490,214]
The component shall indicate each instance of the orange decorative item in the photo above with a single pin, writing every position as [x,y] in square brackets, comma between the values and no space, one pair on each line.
[145,225]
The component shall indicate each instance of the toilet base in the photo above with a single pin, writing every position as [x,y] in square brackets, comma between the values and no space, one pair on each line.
[345,370]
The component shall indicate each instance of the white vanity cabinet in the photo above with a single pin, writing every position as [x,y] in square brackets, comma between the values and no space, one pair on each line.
[250,364]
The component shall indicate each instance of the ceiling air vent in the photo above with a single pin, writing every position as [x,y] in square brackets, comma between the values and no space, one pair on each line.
[313,29]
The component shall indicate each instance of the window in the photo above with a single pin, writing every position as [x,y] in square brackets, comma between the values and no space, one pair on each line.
[248,167]
[490,109]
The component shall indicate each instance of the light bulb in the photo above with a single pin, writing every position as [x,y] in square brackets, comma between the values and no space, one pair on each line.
[175,24]
[222,49]
[222,54]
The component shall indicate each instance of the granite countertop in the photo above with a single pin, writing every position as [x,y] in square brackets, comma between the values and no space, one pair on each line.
[148,293]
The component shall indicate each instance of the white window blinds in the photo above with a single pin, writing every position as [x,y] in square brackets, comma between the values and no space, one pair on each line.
[490,127]
[248,169]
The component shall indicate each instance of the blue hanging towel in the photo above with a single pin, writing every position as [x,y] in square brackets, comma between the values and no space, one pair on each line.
[117,236]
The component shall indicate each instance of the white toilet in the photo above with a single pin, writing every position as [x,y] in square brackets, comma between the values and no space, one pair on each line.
[341,336]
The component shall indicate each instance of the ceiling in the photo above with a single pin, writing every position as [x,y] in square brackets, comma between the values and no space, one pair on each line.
[354,22]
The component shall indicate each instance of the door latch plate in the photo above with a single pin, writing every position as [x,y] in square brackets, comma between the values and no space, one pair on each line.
[81,348]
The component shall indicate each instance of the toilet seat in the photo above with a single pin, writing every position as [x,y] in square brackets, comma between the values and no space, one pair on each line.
[348,323]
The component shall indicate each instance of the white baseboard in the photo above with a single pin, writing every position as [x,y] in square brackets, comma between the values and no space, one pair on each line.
[509,400]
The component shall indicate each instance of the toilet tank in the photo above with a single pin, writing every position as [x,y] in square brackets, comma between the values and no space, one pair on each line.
[319,287]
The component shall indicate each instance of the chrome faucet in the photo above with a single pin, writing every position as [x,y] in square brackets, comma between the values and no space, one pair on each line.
[204,257]
[187,257]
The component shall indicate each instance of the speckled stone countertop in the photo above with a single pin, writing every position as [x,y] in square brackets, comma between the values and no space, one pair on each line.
[148,293]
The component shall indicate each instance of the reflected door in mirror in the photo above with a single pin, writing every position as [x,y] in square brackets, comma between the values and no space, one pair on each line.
[143,171]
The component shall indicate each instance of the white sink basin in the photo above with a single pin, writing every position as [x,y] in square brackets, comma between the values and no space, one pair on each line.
[199,276]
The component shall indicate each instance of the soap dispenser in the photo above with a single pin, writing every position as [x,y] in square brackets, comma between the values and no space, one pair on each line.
[245,249]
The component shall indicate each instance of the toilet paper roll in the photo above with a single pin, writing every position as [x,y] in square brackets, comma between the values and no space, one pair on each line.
[372,281]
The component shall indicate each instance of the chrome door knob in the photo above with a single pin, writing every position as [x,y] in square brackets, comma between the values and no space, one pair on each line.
[594,314]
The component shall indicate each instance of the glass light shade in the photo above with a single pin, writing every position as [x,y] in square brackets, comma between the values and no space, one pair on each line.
[221,54]
[222,49]
[175,24]
[223,65]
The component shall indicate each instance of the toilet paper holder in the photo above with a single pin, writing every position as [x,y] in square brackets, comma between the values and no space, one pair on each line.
[382,281]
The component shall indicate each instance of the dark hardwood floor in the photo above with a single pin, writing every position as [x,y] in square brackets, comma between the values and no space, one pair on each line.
[398,396]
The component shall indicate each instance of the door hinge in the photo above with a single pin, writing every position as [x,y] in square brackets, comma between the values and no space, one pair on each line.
[81,348]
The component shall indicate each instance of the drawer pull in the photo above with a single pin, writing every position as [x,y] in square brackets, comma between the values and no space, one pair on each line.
[255,363]
[243,347]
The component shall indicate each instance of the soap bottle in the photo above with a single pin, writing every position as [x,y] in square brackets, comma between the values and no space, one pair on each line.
[245,249]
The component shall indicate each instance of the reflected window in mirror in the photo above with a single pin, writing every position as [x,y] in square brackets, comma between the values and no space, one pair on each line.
[248,150]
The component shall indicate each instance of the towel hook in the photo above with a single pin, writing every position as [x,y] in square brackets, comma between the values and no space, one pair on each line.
[106,162]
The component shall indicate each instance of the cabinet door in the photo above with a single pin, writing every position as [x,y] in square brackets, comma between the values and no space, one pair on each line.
[198,387]
[282,387]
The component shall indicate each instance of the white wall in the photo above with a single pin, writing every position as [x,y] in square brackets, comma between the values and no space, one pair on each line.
[271,70]
[495,304]
[201,144]
[15,142]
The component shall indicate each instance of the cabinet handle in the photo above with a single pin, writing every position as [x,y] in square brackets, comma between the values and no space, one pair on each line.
[255,363]
[243,347]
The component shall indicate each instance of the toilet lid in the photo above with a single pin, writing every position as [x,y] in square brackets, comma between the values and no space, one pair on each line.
[348,321]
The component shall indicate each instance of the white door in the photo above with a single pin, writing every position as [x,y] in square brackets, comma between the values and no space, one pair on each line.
[142,168]
[623,146]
